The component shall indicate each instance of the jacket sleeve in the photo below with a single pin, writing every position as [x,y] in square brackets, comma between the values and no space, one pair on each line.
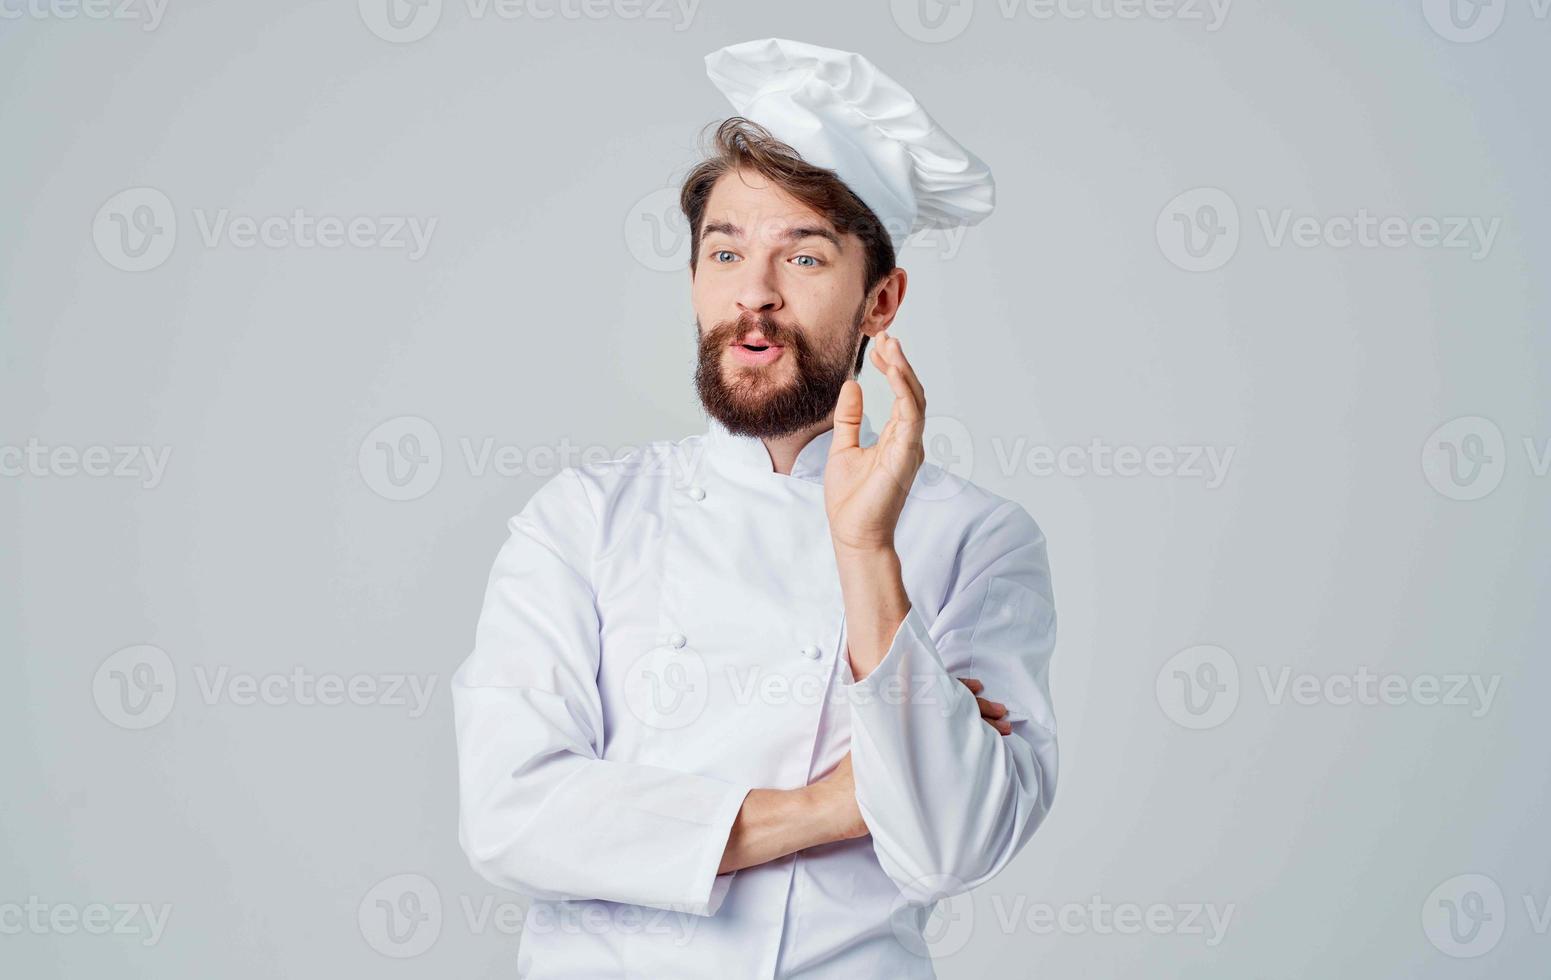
[948,800]
[540,811]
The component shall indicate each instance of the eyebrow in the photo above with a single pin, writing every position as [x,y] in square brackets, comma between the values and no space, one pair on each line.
[792,234]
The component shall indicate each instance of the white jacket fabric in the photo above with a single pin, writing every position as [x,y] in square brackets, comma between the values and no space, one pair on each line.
[662,633]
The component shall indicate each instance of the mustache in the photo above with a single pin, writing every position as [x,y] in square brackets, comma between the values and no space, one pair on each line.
[728,331]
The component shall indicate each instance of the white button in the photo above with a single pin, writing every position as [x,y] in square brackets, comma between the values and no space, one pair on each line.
[696,493]
[677,640]
[811,652]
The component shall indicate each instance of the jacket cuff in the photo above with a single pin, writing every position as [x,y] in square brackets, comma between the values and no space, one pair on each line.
[910,653]
[719,828]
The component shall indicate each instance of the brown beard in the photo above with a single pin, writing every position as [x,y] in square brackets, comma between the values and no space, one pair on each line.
[749,403]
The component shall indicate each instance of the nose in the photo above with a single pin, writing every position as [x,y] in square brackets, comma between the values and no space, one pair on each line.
[757,291]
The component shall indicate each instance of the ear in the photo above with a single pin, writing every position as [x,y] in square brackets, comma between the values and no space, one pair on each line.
[884,302]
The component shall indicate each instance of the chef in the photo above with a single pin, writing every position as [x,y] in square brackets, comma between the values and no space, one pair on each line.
[749,703]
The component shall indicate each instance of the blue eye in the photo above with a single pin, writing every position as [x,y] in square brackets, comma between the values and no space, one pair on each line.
[716,256]
[810,259]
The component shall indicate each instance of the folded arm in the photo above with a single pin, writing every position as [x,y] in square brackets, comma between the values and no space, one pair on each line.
[948,800]
[540,811]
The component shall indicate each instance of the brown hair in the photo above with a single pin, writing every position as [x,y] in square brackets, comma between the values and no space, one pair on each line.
[739,143]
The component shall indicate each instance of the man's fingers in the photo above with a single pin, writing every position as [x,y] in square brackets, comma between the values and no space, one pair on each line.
[896,354]
[994,712]
[905,406]
[875,354]
[848,418]
[1002,725]
[991,709]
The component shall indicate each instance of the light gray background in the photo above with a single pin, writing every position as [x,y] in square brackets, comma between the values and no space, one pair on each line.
[541,315]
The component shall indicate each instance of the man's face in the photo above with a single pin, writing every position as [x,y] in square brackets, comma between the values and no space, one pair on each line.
[779,306]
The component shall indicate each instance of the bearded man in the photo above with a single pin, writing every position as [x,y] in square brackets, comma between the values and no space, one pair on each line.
[723,715]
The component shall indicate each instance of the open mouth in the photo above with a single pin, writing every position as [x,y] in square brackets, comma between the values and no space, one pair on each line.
[757,353]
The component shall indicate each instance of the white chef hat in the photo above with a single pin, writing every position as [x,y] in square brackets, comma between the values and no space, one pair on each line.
[840,112]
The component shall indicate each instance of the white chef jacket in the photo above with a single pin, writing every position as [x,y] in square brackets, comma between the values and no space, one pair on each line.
[665,631]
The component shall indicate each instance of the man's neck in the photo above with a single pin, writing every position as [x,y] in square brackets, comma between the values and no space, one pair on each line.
[784,450]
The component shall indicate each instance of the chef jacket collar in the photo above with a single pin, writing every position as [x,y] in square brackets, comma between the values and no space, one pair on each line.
[750,451]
